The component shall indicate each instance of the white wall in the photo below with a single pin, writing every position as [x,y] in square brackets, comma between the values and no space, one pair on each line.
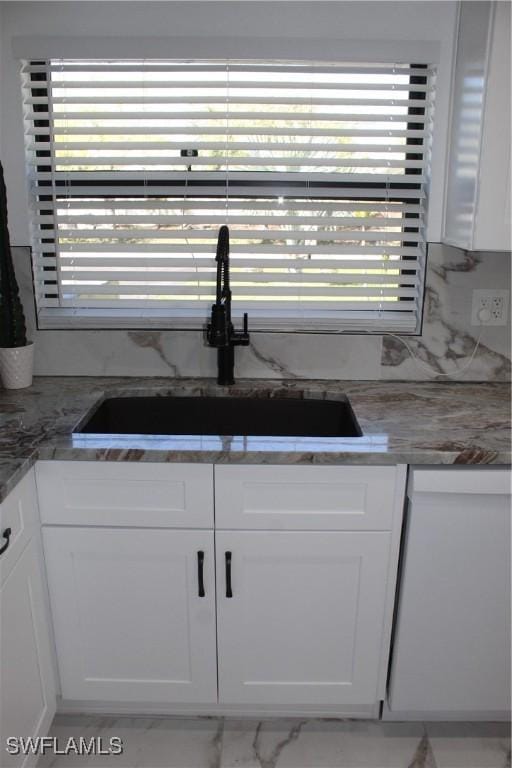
[405,31]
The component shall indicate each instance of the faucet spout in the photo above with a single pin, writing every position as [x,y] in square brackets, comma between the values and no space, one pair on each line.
[222,259]
[220,332]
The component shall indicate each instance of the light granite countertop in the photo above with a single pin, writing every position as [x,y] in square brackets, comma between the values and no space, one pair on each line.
[402,423]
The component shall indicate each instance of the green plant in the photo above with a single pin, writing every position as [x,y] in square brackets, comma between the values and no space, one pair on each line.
[12,319]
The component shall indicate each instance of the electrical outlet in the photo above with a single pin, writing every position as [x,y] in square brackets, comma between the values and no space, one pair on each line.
[497,308]
[490,307]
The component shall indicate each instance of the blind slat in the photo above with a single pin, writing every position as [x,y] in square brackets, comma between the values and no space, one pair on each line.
[145,176]
[304,292]
[153,100]
[127,130]
[221,115]
[165,205]
[98,67]
[305,280]
[70,223]
[188,262]
[383,149]
[247,85]
[261,250]
[315,162]
[66,191]
[76,237]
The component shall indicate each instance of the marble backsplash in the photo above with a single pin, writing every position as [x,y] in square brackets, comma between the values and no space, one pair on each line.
[445,346]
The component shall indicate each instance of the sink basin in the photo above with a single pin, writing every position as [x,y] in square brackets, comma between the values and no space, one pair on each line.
[222,416]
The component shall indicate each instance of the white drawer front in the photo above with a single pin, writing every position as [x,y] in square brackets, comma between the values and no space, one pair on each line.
[125,494]
[304,498]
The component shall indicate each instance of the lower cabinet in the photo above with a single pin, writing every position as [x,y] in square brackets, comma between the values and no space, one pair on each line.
[134,613]
[159,608]
[280,619]
[300,616]
[27,677]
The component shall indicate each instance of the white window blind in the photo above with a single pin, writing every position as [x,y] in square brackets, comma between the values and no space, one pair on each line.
[320,172]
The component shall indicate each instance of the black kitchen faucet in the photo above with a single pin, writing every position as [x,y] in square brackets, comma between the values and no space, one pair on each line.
[220,332]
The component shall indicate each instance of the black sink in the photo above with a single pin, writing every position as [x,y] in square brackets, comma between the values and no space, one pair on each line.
[222,416]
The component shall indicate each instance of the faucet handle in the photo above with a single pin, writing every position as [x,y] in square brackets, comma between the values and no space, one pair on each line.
[243,336]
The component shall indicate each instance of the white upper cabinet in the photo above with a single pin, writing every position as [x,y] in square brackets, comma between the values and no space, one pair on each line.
[477,210]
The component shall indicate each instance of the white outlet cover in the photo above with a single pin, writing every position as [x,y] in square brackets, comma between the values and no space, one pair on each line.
[482,299]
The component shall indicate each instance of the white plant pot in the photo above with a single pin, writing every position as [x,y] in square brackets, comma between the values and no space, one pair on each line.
[16,366]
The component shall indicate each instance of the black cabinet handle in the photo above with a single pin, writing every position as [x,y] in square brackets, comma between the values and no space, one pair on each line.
[7,536]
[200,569]
[229,591]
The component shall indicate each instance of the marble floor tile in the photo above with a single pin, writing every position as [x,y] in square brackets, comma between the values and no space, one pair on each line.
[323,744]
[470,745]
[209,742]
[149,742]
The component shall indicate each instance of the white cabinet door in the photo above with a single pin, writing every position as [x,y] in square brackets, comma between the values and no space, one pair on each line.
[452,639]
[492,229]
[130,621]
[304,623]
[27,683]
[477,209]
[19,515]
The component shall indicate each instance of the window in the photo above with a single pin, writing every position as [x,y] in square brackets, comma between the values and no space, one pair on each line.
[319,170]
